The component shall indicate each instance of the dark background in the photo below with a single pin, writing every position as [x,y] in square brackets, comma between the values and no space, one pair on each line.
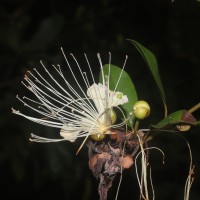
[32,30]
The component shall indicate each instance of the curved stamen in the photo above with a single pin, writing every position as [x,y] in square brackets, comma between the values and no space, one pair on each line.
[76,112]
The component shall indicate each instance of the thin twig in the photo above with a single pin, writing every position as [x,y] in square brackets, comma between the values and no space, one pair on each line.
[190,177]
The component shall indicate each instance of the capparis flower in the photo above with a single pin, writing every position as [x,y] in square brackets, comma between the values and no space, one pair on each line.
[78,109]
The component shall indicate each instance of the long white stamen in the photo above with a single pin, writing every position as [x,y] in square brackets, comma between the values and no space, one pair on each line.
[86,78]
[121,73]
[78,113]
[89,68]
[31,83]
[108,79]
[80,70]
[74,75]
[101,67]
[35,138]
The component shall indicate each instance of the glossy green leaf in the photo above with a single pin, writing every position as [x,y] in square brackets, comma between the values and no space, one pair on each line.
[125,85]
[178,121]
[153,66]
[175,118]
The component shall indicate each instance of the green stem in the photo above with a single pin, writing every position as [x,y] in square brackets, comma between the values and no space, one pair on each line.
[136,125]
[165,107]
[194,108]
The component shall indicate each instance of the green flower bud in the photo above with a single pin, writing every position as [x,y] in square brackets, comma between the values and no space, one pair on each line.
[141,109]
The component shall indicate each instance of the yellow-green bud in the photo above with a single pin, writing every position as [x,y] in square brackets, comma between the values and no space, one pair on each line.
[141,109]
[98,137]
[113,116]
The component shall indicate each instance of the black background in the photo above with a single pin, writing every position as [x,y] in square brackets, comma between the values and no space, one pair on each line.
[32,30]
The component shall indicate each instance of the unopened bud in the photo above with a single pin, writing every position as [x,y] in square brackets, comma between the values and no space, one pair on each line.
[141,109]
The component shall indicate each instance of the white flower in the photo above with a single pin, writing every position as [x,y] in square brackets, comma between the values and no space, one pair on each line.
[67,106]
[105,99]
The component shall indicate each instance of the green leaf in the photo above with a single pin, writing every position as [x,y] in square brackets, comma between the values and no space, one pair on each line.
[180,120]
[176,118]
[125,85]
[153,66]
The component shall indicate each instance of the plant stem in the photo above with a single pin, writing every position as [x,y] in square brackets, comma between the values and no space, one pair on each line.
[165,108]
[136,125]
[194,108]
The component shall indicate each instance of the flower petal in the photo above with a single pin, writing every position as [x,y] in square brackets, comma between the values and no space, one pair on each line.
[118,99]
[68,132]
[97,94]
